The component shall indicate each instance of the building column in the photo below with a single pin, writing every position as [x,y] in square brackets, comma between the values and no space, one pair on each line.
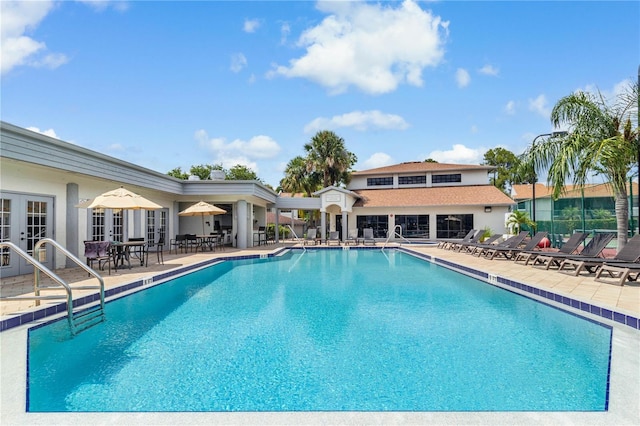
[345,226]
[71,223]
[241,233]
[276,227]
[323,224]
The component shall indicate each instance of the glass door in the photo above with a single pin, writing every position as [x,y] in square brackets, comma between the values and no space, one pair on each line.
[24,220]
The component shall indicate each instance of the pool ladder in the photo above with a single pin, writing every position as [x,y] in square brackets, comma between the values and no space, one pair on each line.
[297,238]
[394,234]
[78,319]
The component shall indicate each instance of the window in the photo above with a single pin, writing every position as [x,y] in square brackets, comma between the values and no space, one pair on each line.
[97,225]
[412,180]
[380,225]
[380,181]
[457,177]
[414,226]
[453,225]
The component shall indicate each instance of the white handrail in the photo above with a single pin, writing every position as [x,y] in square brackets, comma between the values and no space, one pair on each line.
[394,234]
[296,237]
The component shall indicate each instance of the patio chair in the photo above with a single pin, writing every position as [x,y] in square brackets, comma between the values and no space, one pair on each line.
[621,272]
[568,247]
[179,242]
[510,252]
[334,238]
[98,251]
[159,247]
[352,238]
[193,243]
[447,242]
[592,249]
[470,246]
[630,253]
[367,237]
[511,242]
[310,237]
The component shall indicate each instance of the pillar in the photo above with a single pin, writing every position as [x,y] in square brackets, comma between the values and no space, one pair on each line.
[241,233]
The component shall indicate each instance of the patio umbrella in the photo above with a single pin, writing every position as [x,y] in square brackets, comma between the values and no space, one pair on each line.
[202,209]
[119,199]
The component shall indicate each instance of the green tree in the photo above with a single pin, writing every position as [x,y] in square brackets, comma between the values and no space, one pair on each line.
[241,172]
[298,178]
[430,160]
[517,218]
[178,173]
[327,155]
[602,140]
[506,162]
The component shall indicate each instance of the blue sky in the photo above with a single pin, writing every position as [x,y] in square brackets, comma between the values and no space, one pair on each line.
[175,84]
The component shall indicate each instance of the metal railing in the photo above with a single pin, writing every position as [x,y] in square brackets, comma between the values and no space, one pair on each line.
[296,237]
[75,319]
[394,234]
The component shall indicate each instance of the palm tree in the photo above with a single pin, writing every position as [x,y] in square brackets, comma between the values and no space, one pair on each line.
[517,218]
[602,140]
[327,155]
[297,177]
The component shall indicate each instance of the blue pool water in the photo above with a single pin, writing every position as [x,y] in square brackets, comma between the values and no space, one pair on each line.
[323,330]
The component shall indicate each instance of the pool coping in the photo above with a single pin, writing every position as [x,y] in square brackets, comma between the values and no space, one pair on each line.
[623,402]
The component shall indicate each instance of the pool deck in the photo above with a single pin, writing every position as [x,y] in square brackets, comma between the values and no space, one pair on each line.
[624,405]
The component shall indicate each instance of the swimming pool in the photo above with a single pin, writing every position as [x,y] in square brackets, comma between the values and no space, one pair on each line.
[323,330]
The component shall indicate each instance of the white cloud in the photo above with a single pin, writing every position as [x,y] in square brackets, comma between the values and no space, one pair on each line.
[100,5]
[370,46]
[489,70]
[510,108]
[251,25]
[474,129]
[462,77]
[16,18]
[379,159]
[540,106]
[458,154]
[258,147]
[285,30]
[238,62]
[609,94]
[50,132]
[359,120]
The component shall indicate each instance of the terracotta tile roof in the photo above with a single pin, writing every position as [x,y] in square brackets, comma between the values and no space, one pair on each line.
[524,192]
[283,220]
[421,166]
[481,195]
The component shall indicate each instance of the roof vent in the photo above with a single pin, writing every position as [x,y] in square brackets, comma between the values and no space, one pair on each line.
[217,175]
[194,177]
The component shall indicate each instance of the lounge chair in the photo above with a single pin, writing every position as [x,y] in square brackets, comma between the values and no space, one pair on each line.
[569,247]
[463,245]
[447,242]
[334,238]
[470,246]
[310,237]
[592,249]
[367,237]
[630,253]
[621,272]
[352,238]
[511,252]
[511,242]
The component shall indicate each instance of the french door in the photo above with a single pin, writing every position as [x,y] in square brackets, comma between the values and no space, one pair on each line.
[24,220]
